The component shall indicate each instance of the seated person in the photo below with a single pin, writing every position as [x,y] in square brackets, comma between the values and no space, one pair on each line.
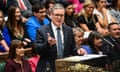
[115,10]
[78,35]
[113,51]
[96,43]
[70,18]
[36,21]
[16,26]
[49,5]
[98,46]
[24,5]
[4,35]
[103,15]
[87,20]
[16,62]
[3,46]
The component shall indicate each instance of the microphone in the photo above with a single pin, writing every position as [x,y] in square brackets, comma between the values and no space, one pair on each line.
[107,41]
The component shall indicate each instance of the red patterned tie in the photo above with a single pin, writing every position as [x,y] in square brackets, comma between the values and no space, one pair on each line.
[22,6]
[4,2]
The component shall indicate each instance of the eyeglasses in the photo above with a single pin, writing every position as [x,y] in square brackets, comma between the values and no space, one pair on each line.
[41,11]
[57,15]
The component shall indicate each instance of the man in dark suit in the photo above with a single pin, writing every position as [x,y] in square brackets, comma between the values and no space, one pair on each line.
[28,7]
[38,1]
[47,41]
[113,51]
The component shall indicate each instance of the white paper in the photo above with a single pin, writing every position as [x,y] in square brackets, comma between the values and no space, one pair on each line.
[82,58]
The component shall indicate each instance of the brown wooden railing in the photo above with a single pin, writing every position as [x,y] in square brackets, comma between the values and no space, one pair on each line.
[4,56]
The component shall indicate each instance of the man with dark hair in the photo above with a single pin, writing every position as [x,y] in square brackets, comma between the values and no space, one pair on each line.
[36,21]
[114,38]
[49,5]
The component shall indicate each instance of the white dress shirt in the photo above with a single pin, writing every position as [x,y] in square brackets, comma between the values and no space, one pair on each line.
[54,28]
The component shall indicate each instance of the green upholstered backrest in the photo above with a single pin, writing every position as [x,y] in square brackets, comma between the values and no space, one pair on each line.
[2,65]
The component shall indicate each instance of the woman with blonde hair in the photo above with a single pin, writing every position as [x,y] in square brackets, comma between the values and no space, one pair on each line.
[87,20]
[78,35]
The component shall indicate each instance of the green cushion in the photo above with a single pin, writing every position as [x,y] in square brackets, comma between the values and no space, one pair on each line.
[2,65]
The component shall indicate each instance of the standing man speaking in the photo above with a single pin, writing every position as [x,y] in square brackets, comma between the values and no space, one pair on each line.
[54,40]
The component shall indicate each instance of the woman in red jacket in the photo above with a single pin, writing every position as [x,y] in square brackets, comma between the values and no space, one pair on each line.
[16,62]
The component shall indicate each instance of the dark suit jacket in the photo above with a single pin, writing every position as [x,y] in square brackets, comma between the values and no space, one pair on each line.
[112,52]
[4,7]
[25,13]
[49,53]
[37,1]
[34,2]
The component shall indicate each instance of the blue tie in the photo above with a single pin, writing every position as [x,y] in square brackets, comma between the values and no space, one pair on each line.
[59,43]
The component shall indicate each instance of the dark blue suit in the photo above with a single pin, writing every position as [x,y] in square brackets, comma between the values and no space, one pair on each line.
[25,13]
[49,53]
[113,52]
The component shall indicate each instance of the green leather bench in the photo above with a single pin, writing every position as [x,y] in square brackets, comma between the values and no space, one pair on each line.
[2,65]
[4,56]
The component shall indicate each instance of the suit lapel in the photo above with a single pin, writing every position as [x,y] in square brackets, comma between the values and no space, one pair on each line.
[65,34]
[54,47]
[51,31]
[25,2]
[65,37]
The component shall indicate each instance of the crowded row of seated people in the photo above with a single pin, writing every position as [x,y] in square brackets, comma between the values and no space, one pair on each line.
[13,29]
[98,21]
[95,45]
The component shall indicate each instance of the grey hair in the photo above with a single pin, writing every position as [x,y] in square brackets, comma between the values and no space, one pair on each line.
[57,6]
[77,29]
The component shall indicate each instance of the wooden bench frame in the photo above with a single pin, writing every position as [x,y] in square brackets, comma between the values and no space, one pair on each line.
[4,56]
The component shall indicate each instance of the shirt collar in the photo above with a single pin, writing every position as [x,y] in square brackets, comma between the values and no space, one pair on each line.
[55,27]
